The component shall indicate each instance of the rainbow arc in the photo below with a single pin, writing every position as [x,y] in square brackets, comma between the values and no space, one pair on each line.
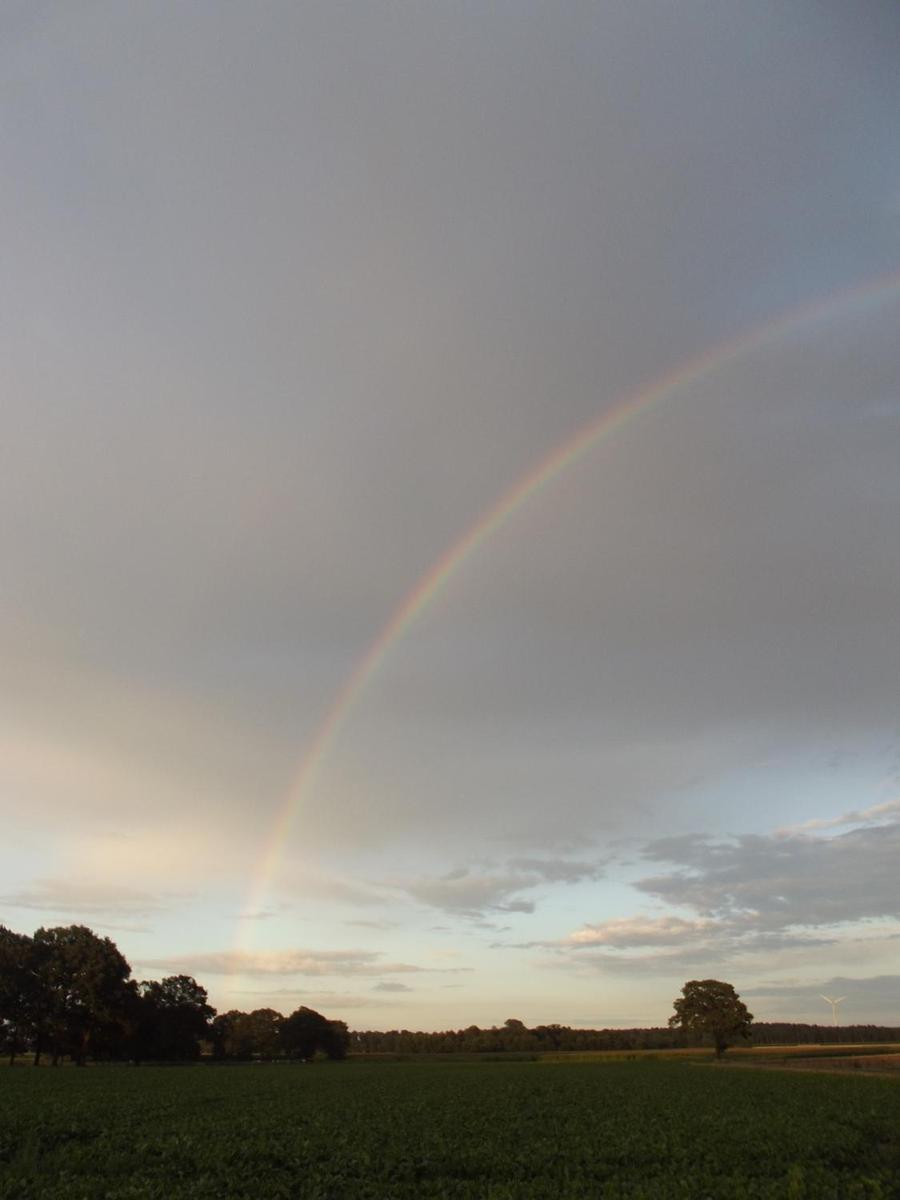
[525,489]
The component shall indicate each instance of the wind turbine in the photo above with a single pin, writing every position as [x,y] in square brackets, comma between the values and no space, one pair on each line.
[834,1001]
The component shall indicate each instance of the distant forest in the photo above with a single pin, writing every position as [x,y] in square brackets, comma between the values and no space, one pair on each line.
[514,1036]
[67,993]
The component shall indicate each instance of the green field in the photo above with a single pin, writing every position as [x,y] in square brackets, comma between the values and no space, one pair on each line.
[640,1129]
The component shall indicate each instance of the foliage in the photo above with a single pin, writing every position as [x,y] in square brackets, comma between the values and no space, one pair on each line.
[460,1131]
[711,1007]
[68,992]
[243,1035]
[306,1031]
[82,984]
[17,992]
[513,1036]
[179,1017]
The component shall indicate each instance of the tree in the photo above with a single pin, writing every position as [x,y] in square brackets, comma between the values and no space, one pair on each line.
[708,1006]
[178,1016]
[300,1032]
[515,1035]
[17,992]
[228,1035]
[305,1031]
[335,1039]
[81,987]
[247,1035]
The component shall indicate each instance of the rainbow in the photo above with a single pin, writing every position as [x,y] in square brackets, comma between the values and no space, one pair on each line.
[526,488]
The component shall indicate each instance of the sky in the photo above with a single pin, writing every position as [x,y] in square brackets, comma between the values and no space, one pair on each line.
[294,296]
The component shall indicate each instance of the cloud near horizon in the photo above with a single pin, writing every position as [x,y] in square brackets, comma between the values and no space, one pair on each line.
[283,962]
[290,962]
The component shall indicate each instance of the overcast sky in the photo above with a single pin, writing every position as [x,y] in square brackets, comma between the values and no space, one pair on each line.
[292,294]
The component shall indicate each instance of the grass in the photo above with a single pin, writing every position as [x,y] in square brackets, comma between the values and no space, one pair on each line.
[627,1130]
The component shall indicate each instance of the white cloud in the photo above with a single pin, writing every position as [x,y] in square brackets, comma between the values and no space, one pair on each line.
[875,813]
[283,962]
[625,932]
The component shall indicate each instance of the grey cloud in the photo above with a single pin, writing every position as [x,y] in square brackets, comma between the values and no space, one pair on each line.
[867,999]
[666,945]
[472,895]
[875,987]
[714,956]
[778,881]
[475,892]
[635,966]
[387,986]
[77,899]
[559,870]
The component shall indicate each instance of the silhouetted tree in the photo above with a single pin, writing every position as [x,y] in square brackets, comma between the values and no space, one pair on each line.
[177,1016]
[305,1031]
[300,1033]
[227,1036]
[711,1007]
[18,990]
[335,1039]
[81,984]
[247,1035]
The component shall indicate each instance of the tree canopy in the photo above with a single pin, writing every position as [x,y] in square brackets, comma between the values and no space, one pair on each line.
[82,984]
[66,992]
[713,1008]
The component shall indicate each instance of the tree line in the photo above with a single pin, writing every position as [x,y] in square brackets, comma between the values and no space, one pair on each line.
[514,1036]
[67,993]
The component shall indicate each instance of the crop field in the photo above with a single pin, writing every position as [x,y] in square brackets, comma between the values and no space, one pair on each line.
[633,1130]
[739,1053]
